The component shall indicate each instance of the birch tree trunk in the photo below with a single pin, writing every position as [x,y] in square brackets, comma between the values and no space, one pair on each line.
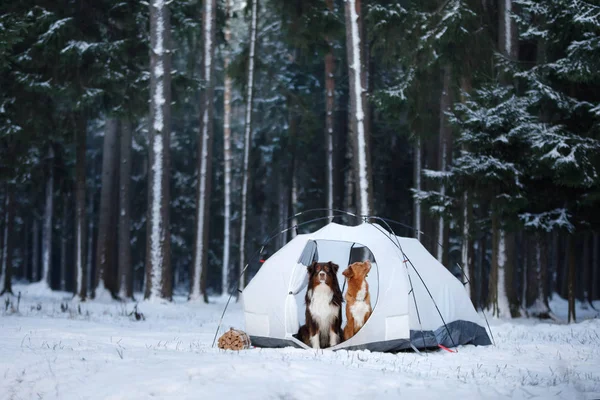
[444,151]
[198,281]
[48,217]
[507,30]
[226,155]
[81,269]
[329,115]
[358,105]
[105,246]
[418,167]
[467,243]
[7,247]
[158,248]
[124,225]
[247,142]
[498,298]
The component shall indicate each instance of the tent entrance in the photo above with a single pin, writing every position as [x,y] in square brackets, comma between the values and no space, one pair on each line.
[342,253]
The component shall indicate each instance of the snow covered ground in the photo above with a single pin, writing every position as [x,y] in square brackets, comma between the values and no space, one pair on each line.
[95,350]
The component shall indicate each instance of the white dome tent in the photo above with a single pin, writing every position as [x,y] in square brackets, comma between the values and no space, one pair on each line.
[416,301]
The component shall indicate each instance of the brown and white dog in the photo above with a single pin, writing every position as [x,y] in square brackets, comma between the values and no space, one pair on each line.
[323,327]
[358,300]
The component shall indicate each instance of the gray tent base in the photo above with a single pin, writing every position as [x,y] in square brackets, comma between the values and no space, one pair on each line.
[463,332]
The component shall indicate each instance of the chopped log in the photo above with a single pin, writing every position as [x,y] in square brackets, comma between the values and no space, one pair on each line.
[234,340]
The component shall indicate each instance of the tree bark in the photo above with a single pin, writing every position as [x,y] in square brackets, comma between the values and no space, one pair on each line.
[358,106]
[105,246]
[586,270]
[124,225]
[329,115]
[63,243]
[444,160]
[3,228]
[7,248]
[418,167]
[595,266]
[81,272]
[26,250]
[198,281]
[571,275]
[467,245]
[540,308]
[507,30]
[35,254]
[247,143]
[48,217]
[159,282]
[227,156]
[510,277]
[498,298]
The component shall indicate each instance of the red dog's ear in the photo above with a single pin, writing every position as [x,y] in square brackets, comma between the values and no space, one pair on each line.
[334,267]
[348,273]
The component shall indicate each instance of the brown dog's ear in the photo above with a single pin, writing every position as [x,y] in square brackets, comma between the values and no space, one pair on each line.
[348,273]
[334,267]
[311,268]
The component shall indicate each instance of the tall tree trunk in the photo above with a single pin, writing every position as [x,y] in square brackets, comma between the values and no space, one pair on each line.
[26,249]
[349,183]
[159,282]
[105,246]
[3,235]
[7,248]
[35,253]
[358,106]
[444,153]
[498,298]
[81,269]
[571,275]
[595,266]
[247,142]
[564,269]
[48,217]
[586,270]
[293,133]
[507,30]
[329,114]
[124,225]
[63,243]
[540,306]
[524,273]
[509,273]
[418,167]
[198,281]
[227,156]
[467,244]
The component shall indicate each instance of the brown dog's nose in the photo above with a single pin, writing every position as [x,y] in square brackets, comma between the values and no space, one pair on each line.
[322,274]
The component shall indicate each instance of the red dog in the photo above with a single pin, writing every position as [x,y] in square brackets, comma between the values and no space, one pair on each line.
[358,299]
[323,299]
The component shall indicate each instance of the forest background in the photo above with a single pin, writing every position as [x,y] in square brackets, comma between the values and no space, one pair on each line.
[152,147]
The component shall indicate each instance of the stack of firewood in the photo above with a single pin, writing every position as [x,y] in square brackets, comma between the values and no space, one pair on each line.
[234,340]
